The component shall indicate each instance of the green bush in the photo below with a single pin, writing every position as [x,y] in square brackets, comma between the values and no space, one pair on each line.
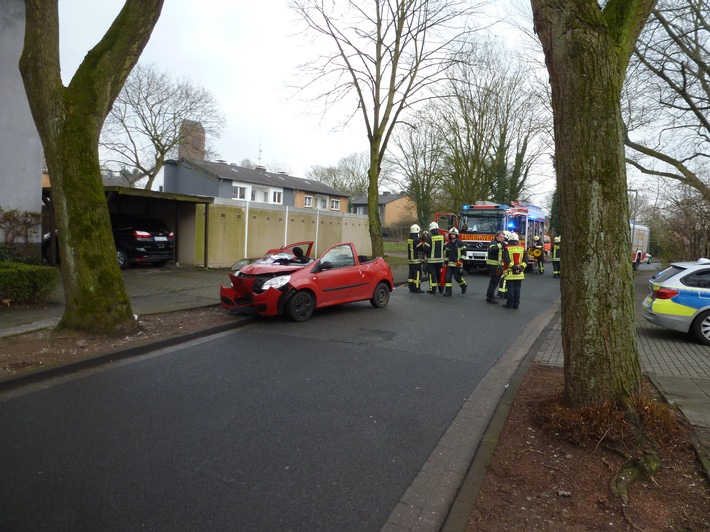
[25,283]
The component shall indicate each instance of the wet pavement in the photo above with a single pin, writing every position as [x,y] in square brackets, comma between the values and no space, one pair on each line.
[676,364]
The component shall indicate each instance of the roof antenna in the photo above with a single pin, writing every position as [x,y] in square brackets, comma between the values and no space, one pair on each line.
[260,154]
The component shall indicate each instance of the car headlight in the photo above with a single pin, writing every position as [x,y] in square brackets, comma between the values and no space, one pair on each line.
[276,282]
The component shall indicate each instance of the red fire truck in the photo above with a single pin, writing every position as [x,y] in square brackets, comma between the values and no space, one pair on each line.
[477,224]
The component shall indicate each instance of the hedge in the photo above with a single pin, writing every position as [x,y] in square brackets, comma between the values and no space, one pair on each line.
[26,283]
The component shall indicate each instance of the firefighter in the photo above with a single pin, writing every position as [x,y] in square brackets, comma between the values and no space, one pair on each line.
[556,257]
[515,271]
[538,249]
[414,247]
[495,261]
[455,251]
[435,259]
[502,288]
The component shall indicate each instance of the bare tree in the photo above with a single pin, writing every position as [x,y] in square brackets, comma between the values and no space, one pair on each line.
[418,161]
[669,95]
[598,321]
[386,53]
[69,121]
[146,123]
[490,122]
[350,175]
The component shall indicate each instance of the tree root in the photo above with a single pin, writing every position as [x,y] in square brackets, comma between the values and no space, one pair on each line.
[644,466]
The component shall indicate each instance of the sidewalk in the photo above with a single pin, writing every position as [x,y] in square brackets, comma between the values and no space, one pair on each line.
[678,366]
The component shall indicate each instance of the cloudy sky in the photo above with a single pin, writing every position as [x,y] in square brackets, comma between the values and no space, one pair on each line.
[246,52]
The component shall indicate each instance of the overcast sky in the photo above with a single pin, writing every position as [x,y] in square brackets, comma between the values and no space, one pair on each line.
[246,52]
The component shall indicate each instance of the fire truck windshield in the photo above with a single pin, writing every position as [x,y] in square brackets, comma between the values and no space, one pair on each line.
[480,223]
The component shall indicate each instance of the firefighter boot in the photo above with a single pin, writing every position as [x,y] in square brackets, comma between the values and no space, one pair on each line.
[464,286]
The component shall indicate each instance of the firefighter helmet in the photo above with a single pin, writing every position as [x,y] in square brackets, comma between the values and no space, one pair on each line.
[433,225]
[414,229]
[513,236]
[557,240]
[536,238]
[506,234]
[454,231]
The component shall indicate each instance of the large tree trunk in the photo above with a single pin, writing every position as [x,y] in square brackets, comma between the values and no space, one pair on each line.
[69,122]
[587,51]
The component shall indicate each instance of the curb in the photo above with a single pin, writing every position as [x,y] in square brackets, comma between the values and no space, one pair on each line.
[700,439]
[458,516]
[42,375]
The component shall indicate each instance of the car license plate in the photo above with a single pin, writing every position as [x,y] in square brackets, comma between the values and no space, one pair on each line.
[160,238]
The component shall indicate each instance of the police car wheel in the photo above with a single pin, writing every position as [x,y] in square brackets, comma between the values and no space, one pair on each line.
[701,327]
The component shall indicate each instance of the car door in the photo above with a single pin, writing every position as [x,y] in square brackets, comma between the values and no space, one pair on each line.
[338,278]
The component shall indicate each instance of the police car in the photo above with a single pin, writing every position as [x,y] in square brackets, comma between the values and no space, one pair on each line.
[679,299]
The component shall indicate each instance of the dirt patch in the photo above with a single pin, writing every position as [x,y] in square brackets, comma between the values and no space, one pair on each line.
[43,349]
[539,481]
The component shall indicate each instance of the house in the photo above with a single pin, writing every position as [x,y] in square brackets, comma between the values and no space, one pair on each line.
[395,209]
[20,145]
[222,180]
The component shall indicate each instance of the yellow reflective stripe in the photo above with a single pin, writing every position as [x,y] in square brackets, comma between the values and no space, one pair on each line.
[666,306]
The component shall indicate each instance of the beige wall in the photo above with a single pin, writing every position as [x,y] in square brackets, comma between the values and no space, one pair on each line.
[400,211]
[239,229]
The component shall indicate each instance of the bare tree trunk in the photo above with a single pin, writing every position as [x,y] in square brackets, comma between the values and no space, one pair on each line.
[373,203]
[587,51]
[69,121]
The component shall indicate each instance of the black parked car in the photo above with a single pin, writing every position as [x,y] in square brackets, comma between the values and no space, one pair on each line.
[139,240]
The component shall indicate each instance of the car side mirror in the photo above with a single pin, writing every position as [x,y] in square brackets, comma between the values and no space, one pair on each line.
[325,265]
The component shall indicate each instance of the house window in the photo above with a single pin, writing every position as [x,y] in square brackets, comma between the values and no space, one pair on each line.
[360,209]
[265,196]
[322,203]
[335,204]
[239,192]
[277,197]
[308,201]
[253,194]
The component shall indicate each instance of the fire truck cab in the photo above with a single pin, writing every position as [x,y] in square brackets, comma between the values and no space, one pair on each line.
[478,223]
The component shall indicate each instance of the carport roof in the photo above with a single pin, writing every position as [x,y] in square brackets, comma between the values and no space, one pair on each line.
[186,198]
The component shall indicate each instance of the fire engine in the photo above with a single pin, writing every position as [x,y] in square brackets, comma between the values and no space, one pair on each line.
[478,223]
[640,239]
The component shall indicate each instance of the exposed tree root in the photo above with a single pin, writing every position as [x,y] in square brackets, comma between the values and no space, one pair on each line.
[644,466]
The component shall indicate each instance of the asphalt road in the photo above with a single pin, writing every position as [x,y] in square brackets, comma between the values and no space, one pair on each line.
[311,426]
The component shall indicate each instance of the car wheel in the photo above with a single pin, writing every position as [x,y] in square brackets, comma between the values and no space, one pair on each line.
[701,327]
[300,306]
[381,296]
[122,258]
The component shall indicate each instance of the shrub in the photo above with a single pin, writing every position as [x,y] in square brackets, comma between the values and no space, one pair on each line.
[24,283]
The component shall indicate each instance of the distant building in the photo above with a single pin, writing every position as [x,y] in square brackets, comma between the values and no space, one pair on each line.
[395,209]
[223,180]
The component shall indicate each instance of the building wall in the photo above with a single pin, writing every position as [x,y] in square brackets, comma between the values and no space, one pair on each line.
[20,146]
[401,211]
[239,229]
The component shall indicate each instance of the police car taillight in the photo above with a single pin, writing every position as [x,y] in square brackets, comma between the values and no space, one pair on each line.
[665,293]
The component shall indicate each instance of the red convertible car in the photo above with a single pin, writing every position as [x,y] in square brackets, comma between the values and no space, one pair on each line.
[287,281]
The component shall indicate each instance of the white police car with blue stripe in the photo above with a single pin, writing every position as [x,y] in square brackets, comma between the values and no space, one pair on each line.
[679,299]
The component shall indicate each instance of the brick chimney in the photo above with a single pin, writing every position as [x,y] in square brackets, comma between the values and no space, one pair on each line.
[192,141]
